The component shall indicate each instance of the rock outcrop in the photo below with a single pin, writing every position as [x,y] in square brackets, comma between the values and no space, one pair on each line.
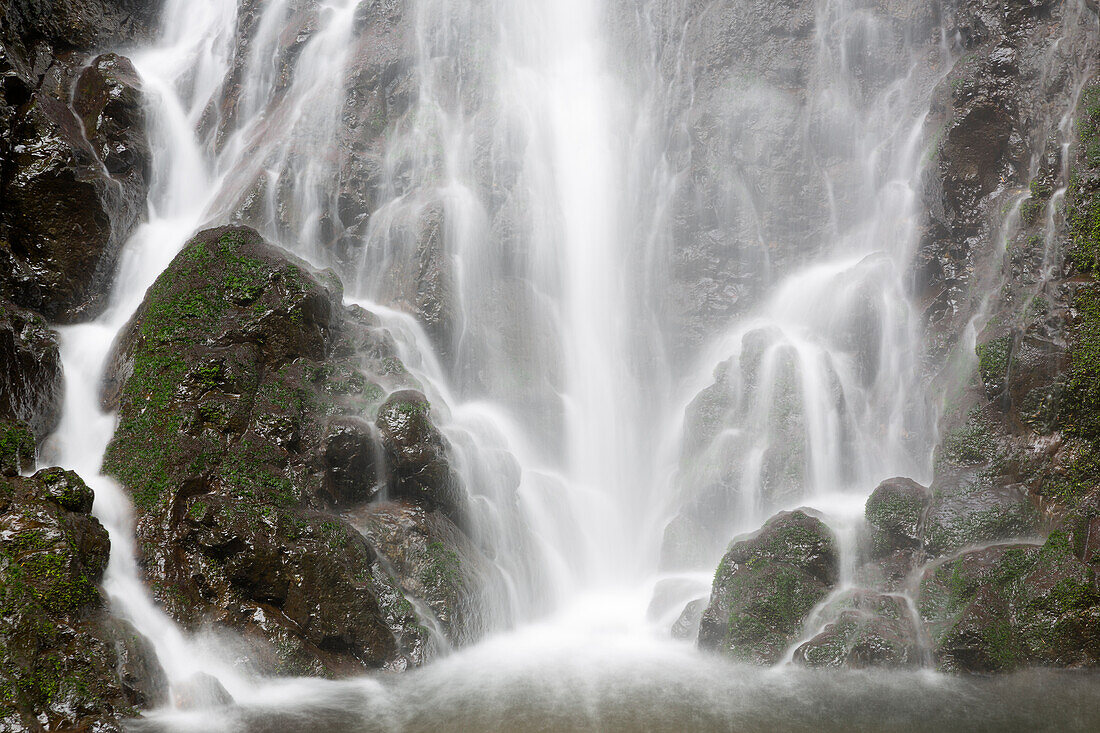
[31,385]
[65,662]
[242,385]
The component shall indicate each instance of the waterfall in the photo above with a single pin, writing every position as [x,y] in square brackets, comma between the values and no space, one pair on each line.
[520,197]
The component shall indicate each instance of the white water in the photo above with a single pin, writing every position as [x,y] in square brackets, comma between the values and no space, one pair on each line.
[558,361]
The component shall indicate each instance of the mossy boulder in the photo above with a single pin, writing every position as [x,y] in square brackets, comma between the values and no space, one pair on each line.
[65,663]
[244,388]
[1011,606]
[895,513]
[766,585]
[863,629]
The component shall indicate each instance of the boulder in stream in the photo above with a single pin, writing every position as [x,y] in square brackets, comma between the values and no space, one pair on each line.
[245,389]
[65,662]
[766,585]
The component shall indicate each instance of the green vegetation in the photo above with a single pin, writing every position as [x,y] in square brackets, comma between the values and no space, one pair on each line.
[17,447]
[993,361]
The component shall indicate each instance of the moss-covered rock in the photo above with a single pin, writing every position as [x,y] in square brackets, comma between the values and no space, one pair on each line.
[244,388]
[972,507]
[17,448]
[1012,606]
[65,664]
[766,585]
[895,513]
[863,629]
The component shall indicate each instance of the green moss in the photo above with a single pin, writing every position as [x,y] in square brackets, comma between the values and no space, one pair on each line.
[970,445]
[54,584]
[993,358]
[17,447]
[443,567]
[1082,200]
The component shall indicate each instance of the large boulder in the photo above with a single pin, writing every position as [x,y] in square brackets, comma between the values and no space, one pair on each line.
[1012,606]
[766,585]
[244,387]
[895,513]
[65,663]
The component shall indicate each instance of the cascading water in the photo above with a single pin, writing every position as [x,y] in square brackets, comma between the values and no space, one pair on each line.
[526,191]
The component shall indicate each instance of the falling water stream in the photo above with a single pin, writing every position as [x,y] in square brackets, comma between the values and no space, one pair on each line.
[543,145]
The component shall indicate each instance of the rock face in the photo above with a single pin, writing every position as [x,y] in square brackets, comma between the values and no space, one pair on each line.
[241,383]
[766,585]
[79,24]
[74,185]
[30,371]
[65,664]
[432,559]
[415,453]
[73,154]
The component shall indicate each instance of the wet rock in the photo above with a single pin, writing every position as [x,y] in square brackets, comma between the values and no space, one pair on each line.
[18,448]
[65,664]
[74,188]
[31,383]
[766,585]
[895,512]
[83,25]
[432,560]
[687,623]
[352,462]
[239,384]
[108,100]
[416,453]
[865,629]
[200,691]
[1012,606]
[993,122]
[971,507]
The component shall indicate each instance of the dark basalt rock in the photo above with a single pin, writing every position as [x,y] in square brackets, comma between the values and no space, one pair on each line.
[239,383]
[73,188]
[353,462]
[866,630]
[31,384]
[1013,606]
[65,663]
[766,585]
